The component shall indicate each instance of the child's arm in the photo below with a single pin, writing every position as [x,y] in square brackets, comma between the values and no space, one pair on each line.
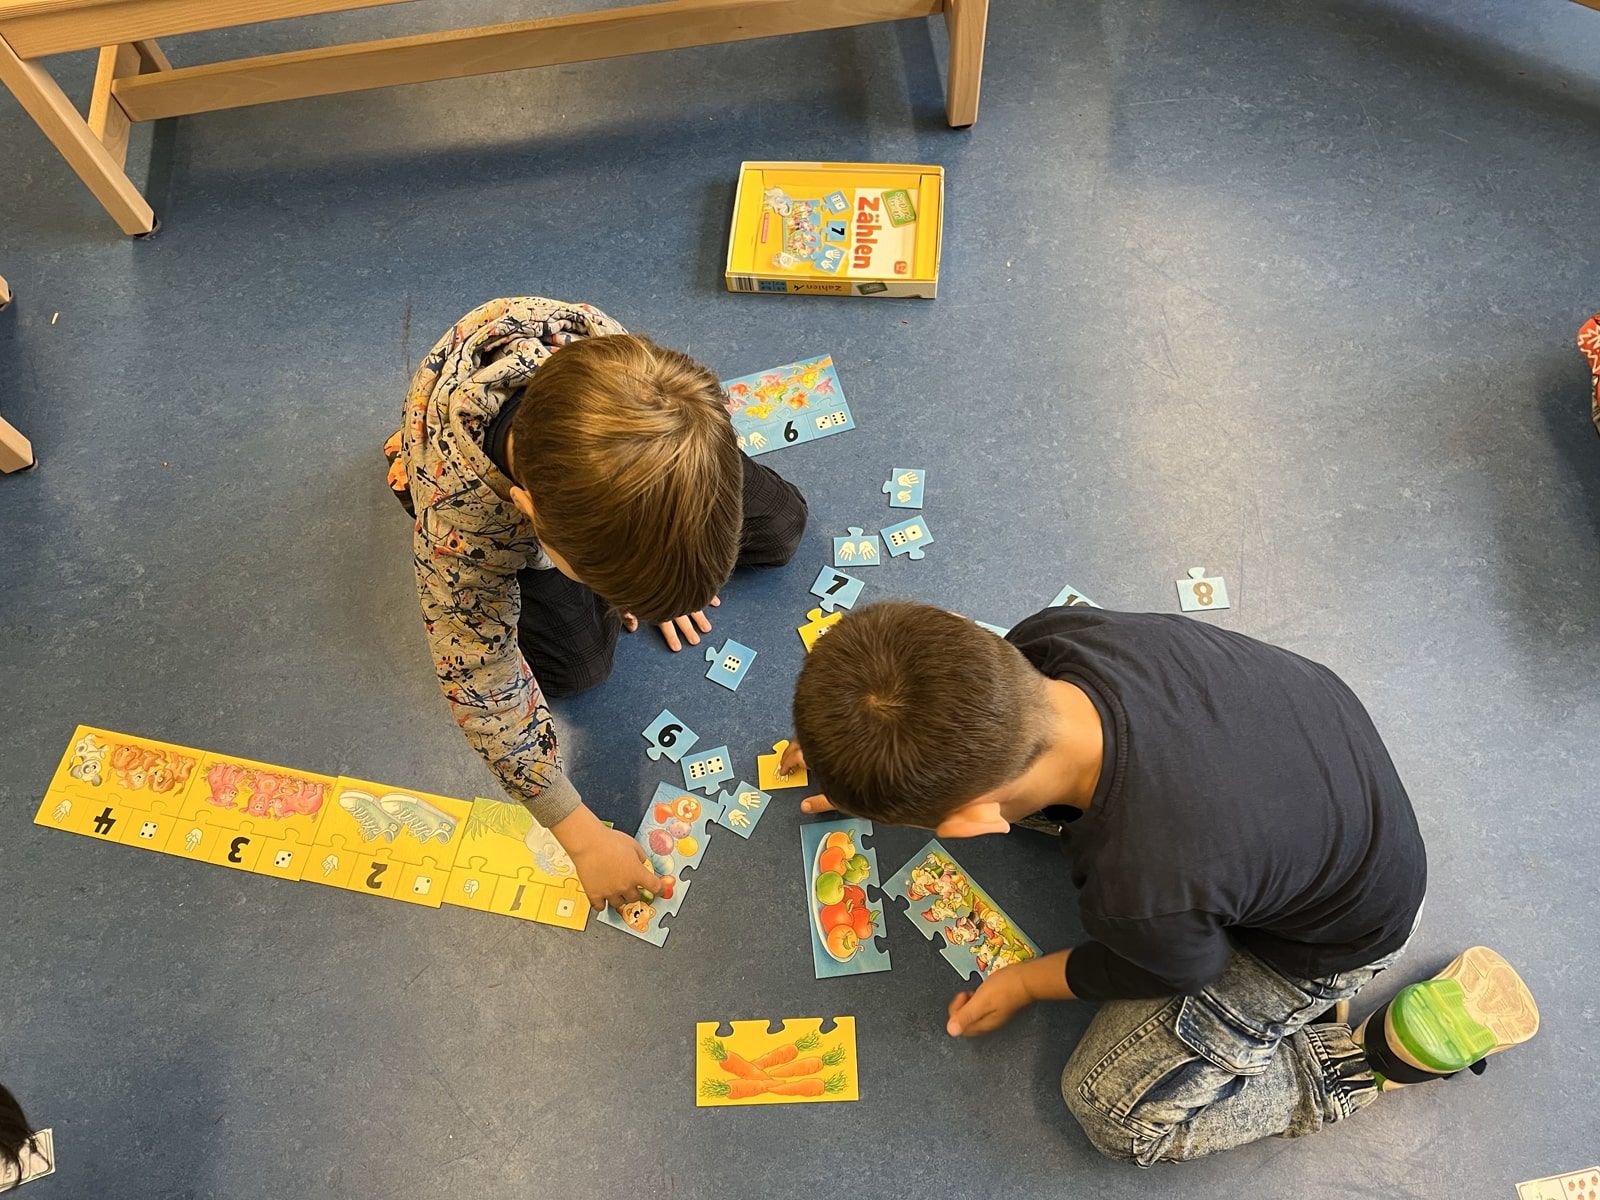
[1007,992]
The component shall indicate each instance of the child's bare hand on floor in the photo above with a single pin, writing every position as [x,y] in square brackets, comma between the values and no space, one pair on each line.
[686,626]
[794,759]
[998,998]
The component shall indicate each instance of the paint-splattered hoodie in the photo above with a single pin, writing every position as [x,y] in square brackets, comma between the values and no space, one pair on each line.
[470,540]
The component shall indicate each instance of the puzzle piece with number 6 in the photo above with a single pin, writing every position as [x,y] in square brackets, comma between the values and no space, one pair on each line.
[845,920]
[941,899]
[511,865]
[114,787]
[250,816]
[388,841]
[673,834]
[800,1063]
[668,735]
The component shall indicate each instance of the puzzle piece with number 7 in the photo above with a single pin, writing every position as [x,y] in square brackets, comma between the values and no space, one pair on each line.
[388,841]
[117,788]
[836,589]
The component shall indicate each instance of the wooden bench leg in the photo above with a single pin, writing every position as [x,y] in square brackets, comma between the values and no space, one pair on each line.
[965,20]
[43,100]
[16,452]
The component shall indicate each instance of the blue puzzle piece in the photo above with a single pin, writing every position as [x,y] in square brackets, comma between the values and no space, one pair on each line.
[707,769]
[866,956]
[838,231]
[904,487]
[908,537]
[673,834]
[943,901]
[836,202]
[857,549]
[729,664]
[828,258]
[743,809]
[670,736]
[1071,597]
[787,406]
[836,589]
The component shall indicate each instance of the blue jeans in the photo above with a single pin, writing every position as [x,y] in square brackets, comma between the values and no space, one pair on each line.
[1177,1078]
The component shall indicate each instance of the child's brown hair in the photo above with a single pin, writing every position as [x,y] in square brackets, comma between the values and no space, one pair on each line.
[906,712]
[635,472]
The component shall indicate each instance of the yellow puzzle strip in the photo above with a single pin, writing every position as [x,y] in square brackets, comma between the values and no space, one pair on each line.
[388,841]
[250,816]
[497,871]
[798,1065]
[117,788]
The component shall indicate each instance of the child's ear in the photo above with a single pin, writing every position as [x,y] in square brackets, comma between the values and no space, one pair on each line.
[523,501]
[973,819]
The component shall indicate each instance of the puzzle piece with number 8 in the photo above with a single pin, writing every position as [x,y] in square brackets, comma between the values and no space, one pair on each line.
[1197,593]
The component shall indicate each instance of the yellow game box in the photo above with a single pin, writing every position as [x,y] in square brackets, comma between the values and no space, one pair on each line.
[837,229]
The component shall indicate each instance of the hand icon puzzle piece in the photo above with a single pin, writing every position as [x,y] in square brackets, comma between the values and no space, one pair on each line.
[908,537]
[857,549]
[729,664]
[743,809]
[670,736]
[1071,597]
[767,770]
[904,487]
[816,625]
[673,835]
[1197,593]
[707,769]
[941,900]
[836,589]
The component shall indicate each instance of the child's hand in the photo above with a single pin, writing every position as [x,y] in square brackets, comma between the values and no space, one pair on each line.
[612,869]
[999,998]
[794,759]
[687,625]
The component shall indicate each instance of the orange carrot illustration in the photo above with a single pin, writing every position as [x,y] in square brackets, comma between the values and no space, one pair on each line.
[788,1053]
[810,1086]
[733,1063]
[738,1089]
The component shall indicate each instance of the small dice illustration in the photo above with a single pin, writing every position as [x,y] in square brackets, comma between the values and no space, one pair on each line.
[422,885]
[707,769]
[836,202]
[836,589]
[282,858]
[729,664]
[908,537]
[838,419]
[147,831]
[816,625]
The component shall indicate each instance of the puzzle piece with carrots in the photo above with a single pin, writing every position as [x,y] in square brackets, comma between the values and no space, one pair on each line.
[799,1064]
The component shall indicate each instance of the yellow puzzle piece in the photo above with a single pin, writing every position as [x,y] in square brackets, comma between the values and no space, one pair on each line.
[388,841]
[251,816]
[767,777]
[117,788]
[497,871]
[816,625]
[798,1065]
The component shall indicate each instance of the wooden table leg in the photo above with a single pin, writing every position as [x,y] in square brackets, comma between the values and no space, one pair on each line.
[965,20]
[50,109]
[16,452]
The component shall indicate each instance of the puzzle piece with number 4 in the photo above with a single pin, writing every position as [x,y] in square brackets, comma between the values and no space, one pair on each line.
[909,537]
[748,1062]
[389,842]
[904,487]
[743,809]
[673,834]
[668,735]
[250,816]
[118,788]
[730,664]
[1197,593]
[511,865]
[857,549]
[978,937]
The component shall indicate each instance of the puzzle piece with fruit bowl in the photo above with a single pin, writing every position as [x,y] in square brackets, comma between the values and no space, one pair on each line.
[845,922]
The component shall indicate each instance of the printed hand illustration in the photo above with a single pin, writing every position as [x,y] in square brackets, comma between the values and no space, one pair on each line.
[470,887]
[869,551]
[328,865]
[758,440]
[902,496]
[737,819]
[61,810]
[750,800]
[191,840]
[907,478]
[847,552]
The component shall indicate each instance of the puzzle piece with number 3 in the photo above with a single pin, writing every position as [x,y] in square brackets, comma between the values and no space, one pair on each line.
[250,816]
[388,841]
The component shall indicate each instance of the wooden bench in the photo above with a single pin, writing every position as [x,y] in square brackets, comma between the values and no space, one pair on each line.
[136,82]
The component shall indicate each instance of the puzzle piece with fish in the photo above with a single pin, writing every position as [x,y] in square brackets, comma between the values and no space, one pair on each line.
[792,404]
[730,664]
[1199,594]
[943,903]
[668,735]
[743,808]
[704,770]
[767,769]
[673,833]
[836,589]
[117,787]
[250,816]
[511,865]
[908,537]
[846,919]
[388,841]
[857,549]
[808,1061]
[816,625]
[904,487]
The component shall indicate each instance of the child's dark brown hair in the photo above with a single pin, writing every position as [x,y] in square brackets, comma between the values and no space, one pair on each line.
[906,712]
[635,472]
[16,1135]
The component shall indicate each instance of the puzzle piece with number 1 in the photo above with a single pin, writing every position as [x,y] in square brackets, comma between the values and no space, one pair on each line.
[511,865]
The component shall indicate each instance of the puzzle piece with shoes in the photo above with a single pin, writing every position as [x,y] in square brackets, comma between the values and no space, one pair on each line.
[511,865]
[767,770]
[836,589]
[846,921]
[748,1062]
[250,816]
[674,834]
[857,549]
[1071,597]
[730,664]
[668,735]
[705,770]
[388,841]
[789,405]
[1197,593]
[977,935]
[904,487]
[909,537]
[116,787]
[816,625]
[743,809]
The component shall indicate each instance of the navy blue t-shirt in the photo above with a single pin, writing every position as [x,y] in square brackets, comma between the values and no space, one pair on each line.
[1245,797]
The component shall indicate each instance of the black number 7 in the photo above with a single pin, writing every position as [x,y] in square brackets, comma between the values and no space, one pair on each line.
[838,582]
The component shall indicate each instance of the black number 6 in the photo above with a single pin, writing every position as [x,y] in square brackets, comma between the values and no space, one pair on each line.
[790,433]
[669,735]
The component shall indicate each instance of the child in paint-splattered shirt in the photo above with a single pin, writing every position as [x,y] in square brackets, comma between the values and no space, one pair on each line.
[568,480]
